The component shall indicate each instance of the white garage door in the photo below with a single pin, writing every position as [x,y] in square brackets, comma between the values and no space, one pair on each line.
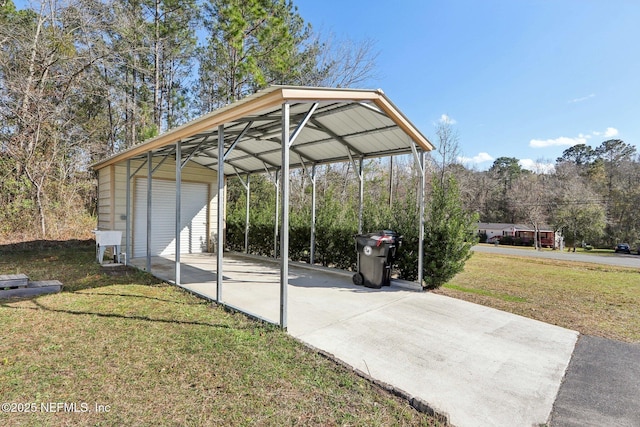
[193,218]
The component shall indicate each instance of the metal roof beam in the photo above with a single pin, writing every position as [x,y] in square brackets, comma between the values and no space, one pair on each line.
[275,117]
[164,159]
[194,151]
[213,165]
[302,156]
[302,124]
[320,111]
[273,125]
[417,157]
[235,142]
[234,161]
[372,108]
[246,187]
[138,170]
[348,135]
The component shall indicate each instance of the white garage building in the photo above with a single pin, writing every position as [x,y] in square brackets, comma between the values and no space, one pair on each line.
[197,200]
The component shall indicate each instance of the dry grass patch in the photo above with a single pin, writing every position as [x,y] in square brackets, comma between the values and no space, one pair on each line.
[155,355]
[592,299]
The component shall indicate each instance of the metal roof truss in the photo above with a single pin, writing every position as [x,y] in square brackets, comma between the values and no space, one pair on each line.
[320,132]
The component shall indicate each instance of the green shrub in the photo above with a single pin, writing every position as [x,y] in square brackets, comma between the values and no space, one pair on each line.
[507,240]
[448,234]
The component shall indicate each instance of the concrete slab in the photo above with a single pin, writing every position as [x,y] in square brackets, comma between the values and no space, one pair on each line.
[479,365]
[33,289]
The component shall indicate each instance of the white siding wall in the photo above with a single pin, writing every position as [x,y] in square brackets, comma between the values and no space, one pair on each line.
[104,199]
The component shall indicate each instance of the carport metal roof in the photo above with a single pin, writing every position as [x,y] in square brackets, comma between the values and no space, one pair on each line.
[276,129]
[326,126]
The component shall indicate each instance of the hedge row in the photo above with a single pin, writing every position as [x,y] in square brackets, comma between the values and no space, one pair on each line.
[335,245]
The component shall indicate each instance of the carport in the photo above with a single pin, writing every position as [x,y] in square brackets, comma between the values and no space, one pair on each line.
[272,131]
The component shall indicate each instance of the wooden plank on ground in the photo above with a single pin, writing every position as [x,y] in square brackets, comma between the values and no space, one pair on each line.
[13,281]
[35,288]
[44,283]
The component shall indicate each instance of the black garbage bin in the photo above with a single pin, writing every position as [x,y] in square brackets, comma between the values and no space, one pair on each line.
[376,254]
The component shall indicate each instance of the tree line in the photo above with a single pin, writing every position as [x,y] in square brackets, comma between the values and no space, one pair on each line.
[83,79]
[591,196]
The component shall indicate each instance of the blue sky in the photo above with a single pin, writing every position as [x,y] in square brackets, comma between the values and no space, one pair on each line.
[516,78]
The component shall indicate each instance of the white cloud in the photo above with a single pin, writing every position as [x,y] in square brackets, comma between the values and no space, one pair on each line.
[563,140]
[447,120]
[584,98]
[568,141]
[537,167]
[478,158]
[607,133]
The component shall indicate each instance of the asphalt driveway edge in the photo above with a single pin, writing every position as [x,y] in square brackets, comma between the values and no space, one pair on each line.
[601,385]
[562,381]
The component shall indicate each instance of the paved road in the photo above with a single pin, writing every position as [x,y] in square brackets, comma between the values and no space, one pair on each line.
[621,260]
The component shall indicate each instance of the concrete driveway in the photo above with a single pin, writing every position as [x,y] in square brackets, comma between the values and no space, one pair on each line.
[478,365]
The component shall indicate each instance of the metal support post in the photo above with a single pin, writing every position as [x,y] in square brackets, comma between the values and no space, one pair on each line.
[127,233]
[275,227]
[390,182]
[312,254]
[420,159]
[220,244]
[421,231]
[284,235]
[149,207]
[246,218]
[178,208]
[361,199]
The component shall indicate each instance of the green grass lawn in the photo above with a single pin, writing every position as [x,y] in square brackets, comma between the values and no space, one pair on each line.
[149,354]
[592,299]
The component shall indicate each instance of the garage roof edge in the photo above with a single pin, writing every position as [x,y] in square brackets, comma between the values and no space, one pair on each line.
[268,98]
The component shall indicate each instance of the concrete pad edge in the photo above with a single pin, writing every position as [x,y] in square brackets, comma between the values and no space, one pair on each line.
[415,402]
[564,377]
